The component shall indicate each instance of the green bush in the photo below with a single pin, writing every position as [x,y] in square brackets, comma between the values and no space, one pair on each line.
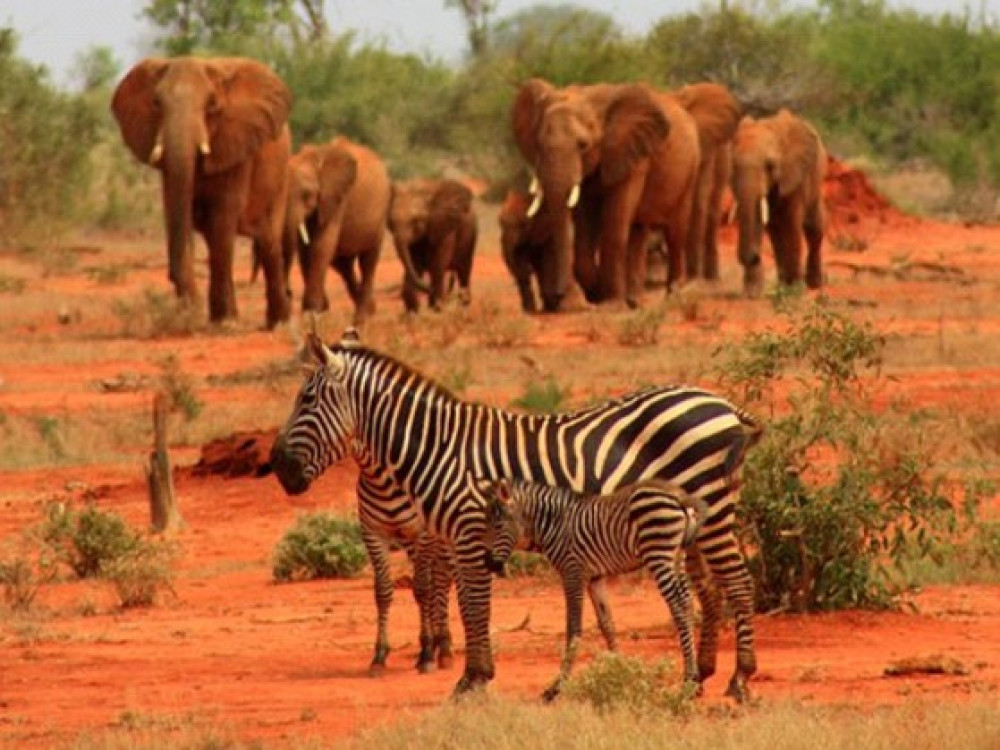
[542,397]
[836,496]
[527,564]
[319,545]
[87,540]
[613,682]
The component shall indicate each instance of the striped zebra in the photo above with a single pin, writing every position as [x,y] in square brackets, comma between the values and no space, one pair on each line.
[588,537]
[363,402]
[389,518]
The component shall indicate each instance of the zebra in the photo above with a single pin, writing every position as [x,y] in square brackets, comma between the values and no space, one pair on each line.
[388,519]
[368,403]
[588,537]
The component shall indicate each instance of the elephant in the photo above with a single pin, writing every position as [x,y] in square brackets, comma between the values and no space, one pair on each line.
[622,160]
[779,164]
[526,246]
[717,114]
[434,228]
[338,205]
[216,128]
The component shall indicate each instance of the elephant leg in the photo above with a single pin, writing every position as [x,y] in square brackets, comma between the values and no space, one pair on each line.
[440,262]
[814,228]
[220,234]
[721,173]
[276,286]
[323,250]
[411,296]
[786,239]
[636,265]
[365,305]
[585,252]
[617,214]
[694,243]
[344,266]
[675,236]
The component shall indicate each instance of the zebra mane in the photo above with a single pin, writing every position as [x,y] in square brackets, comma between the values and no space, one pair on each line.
[359,351]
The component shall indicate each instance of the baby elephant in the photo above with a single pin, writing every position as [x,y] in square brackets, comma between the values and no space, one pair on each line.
[434,228]
[587,537]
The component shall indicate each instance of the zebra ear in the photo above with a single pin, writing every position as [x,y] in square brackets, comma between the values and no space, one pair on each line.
[351,338]
[325,356]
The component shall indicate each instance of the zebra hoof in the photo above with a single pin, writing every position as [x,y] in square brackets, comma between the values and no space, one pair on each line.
[425,666]
[738,690]
[552,692]
[469,684]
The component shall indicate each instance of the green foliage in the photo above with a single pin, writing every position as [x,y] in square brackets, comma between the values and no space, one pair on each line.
[542,397]
[86,540]
[836,495]
[319,545]
[613,681]
[527,564]
[45,141]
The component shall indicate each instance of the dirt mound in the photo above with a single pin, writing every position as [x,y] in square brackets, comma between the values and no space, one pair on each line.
[851,199]
[241,454]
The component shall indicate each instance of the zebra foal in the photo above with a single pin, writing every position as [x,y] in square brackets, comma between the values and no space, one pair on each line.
[399,423]
[588,537]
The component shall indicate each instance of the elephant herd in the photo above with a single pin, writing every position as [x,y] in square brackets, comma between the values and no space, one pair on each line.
[610,166]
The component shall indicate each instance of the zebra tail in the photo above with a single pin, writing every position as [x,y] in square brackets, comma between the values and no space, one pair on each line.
[749,435]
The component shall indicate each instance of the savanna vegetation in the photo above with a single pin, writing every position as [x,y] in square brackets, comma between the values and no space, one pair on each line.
[887,85]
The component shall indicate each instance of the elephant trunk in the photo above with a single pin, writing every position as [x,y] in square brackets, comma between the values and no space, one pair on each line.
[559,177]
[751,218]
[178,165]
[405,257]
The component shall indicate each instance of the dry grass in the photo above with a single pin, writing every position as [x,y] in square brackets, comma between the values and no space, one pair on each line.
[498,724]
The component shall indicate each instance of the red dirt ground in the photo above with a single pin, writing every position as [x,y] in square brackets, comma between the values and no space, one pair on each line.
[284,662]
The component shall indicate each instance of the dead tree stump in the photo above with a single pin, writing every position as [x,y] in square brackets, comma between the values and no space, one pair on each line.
[164,514]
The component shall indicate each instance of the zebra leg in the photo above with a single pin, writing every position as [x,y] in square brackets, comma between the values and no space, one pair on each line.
[729,568]
[711,612]
[673,587]
[378,554]
[599,598]
[423,593]
[444,574]
[573,590]
[474,593]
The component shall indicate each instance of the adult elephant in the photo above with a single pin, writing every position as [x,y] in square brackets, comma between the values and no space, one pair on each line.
[717,114]
[434,228]
[216,130]
[623,159]
[779,164]
[338,203]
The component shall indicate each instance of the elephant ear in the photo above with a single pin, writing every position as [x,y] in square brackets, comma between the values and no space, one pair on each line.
[715,110]
[251,108]
[337,174]
[634,125]
[799,151]
[526,114]
[134,108]
[450,203]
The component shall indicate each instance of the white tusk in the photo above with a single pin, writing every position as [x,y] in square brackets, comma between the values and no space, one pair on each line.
[303,232]
[156,154]
[204,148]
[765,213]
[534,188]
[731,214]
[574,196]
[535,205]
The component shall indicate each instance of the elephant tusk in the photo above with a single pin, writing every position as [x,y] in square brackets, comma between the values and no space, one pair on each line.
[303,232]
[574,196]
[765,213]
[156,154]
[534,188]
[535,205]
[204,148]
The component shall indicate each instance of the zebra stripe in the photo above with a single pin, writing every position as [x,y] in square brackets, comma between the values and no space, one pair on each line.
[428,442]
[588,537]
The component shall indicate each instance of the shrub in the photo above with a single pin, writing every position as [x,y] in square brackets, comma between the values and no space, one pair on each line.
[613,681]
[542,397]
[836,496]
[22,576]
[86,540]
[141,573]
[319,545]
[157,314]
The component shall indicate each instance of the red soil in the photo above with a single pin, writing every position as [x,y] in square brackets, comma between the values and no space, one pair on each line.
[271,662]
